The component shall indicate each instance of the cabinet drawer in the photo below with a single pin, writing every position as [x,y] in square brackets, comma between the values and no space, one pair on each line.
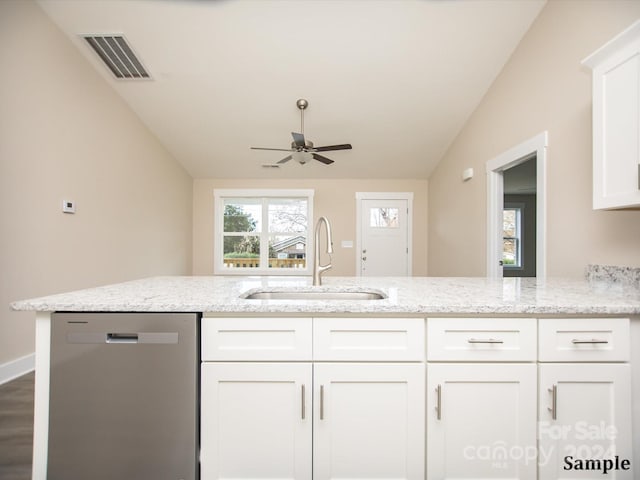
[368,339]
[584,340]
[481,339]
[256,339]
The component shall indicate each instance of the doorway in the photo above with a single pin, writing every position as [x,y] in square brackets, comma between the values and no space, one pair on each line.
[383,245]
[519,220]
[512,173]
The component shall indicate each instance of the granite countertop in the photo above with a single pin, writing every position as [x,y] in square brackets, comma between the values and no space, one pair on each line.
[405,296]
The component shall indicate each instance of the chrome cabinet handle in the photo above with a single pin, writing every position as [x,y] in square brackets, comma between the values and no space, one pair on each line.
[554,402]
[577,341]
[488,340]
[303,402]
[439,402]
[321,402]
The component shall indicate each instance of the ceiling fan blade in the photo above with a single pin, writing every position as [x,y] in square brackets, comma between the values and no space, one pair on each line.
[322,159]
[298,139]
[274,149]
[346,146]
[285,159]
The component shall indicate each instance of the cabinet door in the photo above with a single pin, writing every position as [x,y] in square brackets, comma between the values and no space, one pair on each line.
[481,421]
[368,421]
[616,127]
[585,415]
[256,420]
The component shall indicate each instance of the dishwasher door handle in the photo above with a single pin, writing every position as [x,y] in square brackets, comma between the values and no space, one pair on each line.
[122,338]
[158,338]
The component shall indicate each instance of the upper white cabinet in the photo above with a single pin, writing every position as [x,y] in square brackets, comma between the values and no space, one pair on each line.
[616,121]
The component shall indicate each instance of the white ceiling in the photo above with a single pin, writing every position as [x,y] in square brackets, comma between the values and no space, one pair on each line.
[395,78]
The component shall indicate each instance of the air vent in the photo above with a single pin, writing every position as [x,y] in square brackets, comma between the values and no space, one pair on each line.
[117,55]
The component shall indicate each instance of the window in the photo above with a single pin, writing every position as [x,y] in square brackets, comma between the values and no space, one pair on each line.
[512,237]
[383,217]
[262,231]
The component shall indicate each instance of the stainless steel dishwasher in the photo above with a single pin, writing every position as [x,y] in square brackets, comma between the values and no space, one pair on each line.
[123,396]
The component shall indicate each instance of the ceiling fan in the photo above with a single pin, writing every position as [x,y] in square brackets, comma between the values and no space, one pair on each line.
[302,150]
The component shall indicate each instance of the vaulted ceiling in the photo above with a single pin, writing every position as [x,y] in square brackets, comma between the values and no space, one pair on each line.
[395,78]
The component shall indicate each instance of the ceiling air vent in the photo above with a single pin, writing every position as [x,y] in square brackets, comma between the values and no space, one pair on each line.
[117,55]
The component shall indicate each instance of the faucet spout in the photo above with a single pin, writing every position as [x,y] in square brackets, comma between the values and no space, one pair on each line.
[317,268]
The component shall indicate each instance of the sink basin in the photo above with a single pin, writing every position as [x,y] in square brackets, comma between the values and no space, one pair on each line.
[314,295]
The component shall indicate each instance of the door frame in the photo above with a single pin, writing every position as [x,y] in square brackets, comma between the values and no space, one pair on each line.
[495,201]
[360,196]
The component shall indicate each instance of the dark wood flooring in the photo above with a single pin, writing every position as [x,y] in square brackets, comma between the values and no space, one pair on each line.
[16,428]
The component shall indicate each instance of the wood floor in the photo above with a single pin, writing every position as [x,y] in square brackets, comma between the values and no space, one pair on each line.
[16,428]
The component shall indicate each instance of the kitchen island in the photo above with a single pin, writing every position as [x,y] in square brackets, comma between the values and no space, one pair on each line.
[405,296]
[461,332]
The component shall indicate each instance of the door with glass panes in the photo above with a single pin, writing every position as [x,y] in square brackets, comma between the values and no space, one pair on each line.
[384,237]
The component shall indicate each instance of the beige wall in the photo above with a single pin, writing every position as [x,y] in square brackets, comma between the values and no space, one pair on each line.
[542,87]
[334,199]
[65,134]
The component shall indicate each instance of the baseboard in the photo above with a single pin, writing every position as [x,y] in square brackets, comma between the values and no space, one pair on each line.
[16,368]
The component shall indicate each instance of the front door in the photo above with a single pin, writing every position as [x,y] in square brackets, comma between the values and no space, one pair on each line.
[384,237]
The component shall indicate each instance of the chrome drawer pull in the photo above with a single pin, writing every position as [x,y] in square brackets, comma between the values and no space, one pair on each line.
[303,402]
[554,402]
[488,340]
[321,402]
[439,402]
[577,341]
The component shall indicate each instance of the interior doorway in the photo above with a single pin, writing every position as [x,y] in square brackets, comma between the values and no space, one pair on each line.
[519,220]
[509,174]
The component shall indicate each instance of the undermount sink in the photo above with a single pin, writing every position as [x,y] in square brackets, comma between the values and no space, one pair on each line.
[314,295]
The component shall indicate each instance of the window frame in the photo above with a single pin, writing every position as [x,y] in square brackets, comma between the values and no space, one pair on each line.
[519,237]
[262,195]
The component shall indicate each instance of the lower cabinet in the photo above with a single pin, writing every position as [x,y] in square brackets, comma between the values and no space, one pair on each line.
[368,421]
[481,421]
[255,420]
[350,398]
[269,420]
[585,421]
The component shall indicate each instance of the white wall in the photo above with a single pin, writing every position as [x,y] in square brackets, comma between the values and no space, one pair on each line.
[335,199]
[65,134]
[542,87]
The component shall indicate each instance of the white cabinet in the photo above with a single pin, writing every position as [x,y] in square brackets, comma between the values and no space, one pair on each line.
[482,339]
[616,121]
[368,421]
[585,404]
[585,416]
[481,417]
[256,420]
[271,407]
[481,421]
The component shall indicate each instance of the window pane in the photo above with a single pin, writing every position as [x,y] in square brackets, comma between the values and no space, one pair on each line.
[242,215]
[287,215]
[288,251]
[241,251]
[383,217]
[509,251]
[511,255]
[509,223]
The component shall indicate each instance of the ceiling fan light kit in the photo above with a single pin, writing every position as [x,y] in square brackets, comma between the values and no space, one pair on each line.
[302,150]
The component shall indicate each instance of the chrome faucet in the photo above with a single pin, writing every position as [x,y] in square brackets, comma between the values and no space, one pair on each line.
[317,268]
